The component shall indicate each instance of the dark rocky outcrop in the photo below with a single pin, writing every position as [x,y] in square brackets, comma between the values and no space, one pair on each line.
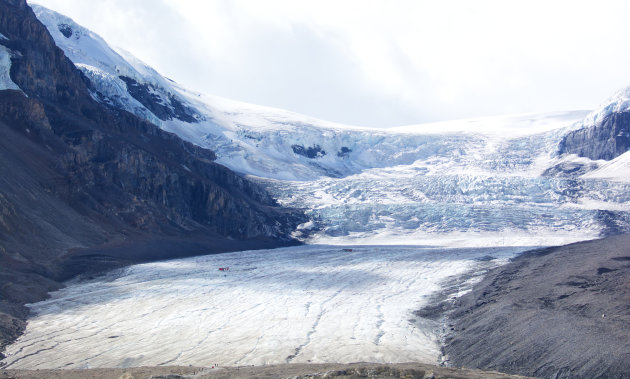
[344,152]
[164,106]
[85,187]
[607,139]
[314,151]
[560,312]
[65,29]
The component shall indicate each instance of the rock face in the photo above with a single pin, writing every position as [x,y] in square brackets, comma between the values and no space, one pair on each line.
[555,313]
[314,151]
[344,152]
[173,109]
[66,30]
[607,139]
[84,186]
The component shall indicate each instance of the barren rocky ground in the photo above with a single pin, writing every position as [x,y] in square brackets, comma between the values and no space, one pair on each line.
[560,312]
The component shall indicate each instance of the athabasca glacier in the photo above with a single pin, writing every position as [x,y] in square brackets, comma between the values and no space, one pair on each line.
[417,206]
[304,304]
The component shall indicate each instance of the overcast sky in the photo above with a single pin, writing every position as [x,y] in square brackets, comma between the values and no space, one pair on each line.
[377,63]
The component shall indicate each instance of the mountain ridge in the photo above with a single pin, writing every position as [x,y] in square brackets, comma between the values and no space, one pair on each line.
[260,141]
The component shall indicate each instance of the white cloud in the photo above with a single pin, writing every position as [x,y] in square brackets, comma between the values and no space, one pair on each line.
[377,62]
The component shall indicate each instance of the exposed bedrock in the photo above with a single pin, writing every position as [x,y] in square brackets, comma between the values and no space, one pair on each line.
[607,139]
[164,106]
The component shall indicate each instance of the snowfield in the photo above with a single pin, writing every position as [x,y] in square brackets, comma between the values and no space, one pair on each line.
[616,170]
[300,304]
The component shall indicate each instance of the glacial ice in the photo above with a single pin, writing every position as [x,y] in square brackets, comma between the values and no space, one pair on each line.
[299,304]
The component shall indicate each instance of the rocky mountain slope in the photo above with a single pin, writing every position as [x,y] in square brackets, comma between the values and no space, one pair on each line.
[554,313]
[607,139]
[85,186]
[605,133]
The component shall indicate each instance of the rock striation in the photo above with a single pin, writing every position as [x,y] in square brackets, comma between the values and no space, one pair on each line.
[86,187]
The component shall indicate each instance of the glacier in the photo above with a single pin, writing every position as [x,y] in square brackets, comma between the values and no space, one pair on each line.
[297,305]
[419,206]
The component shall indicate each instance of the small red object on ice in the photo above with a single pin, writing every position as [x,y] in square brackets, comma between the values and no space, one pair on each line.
[348,250]
[224,269]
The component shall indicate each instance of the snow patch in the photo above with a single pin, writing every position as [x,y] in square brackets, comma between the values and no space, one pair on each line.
[617,170]
[5,69]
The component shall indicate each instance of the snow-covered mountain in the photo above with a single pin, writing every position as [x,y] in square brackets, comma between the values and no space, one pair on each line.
[274,143]
[82,180]
[506,179]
